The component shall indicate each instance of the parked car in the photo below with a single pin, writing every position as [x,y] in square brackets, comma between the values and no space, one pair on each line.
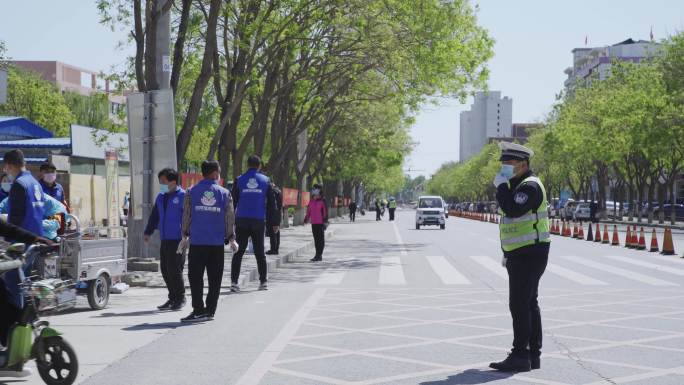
[582,211]
[567,209]
[667,209]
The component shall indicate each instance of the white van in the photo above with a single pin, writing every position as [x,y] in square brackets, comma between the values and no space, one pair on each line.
[430,212]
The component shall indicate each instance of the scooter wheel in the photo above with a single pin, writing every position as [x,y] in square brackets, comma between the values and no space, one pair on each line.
[57,362]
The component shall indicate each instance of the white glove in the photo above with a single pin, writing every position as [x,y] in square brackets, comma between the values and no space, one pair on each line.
[183,245]
[503,261]
[499,179]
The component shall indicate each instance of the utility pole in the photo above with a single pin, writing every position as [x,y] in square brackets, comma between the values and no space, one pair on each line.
[152,141]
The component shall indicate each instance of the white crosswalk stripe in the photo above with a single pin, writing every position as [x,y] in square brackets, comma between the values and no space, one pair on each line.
[649,265]
[573,275]
[621,272]
[331,276]
[446,271]
[490,264]
[391,271]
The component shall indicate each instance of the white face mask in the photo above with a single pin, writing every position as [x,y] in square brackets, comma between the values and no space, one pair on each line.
[50,178]
[6,186]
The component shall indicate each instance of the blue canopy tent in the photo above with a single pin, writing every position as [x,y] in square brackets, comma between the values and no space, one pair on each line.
[16,128]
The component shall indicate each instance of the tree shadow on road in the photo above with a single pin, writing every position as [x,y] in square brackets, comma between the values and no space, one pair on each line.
[156,326]
[471,376]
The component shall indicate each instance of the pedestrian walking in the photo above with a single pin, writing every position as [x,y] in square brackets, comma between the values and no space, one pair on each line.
[167,217]
[317,214]
[525,240]
[593,207]
[352,211]
[208,221]
[126,203]
[274,236]
[392,207]
[255,207]
[378,210]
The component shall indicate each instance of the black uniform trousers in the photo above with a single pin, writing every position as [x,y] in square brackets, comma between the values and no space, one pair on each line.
[352,215]
[172,264]
[378,214]
[199,259]
[274,240]
[525,268]
[391,210]
[246,228]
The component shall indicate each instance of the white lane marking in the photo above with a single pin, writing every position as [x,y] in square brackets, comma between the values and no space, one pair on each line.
[491,265]
[331,276]
[402,249]
[391,271]
[665,258]
[573,275]
[649,265]
[446,271]
[621,272]
[266,359]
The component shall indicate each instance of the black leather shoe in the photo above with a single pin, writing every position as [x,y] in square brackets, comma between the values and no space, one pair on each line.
[271,252]
[166,306]
[512,364]
[535,362]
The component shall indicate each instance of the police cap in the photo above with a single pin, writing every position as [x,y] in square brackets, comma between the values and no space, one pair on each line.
[514,151]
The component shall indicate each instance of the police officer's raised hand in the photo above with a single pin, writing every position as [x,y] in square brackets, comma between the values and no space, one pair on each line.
[499,180]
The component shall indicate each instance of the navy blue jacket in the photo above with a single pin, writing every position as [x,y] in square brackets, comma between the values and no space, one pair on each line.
[167,215]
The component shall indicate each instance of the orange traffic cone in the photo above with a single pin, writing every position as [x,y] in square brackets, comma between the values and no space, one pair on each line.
[568,232]
[628,238]
[635,238]
[668,246]
[654,242]
[642,241]
[574,230]
[581,232]
[563,230]
[605,240]
[598,233]
[616,239]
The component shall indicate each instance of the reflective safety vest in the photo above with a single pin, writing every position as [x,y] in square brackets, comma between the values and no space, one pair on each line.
[529,229]
[392,204]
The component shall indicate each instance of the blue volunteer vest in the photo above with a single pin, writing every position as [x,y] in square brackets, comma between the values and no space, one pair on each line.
[34,203]
[208,203]
[56,191]
[171,218]
[253,187]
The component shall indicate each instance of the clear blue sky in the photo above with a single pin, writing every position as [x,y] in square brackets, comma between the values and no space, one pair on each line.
[533,43]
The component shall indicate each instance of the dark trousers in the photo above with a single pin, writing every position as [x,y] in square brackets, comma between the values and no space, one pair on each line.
[274,239]
[391,214]
[199,259]
[319,239]
[352,215]
[10,315]
[172,265]
[378,214]
[525,268]
[246,228]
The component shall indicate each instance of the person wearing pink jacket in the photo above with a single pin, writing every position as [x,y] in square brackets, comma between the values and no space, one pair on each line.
[317,214]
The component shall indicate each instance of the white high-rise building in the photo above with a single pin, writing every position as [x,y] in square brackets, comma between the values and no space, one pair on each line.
[490,116]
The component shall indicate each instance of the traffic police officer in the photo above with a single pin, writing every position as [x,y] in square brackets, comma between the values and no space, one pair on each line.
[167,216]
[208,220]
[392,206]
[525,240]
[255,203]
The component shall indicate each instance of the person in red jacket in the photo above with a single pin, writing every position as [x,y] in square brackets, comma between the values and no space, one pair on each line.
[317,214]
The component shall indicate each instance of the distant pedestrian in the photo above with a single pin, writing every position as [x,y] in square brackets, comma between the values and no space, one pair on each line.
[378,210]
[208,220]
[255,207]
[317,214]
[352,211]
[274,236]
[126,203]
[167,217]
[392,206]
[592,211]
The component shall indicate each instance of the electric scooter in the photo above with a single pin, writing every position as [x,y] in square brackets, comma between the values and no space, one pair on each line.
[31,338]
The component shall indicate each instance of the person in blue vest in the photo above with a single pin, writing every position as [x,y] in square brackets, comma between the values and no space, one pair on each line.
[167,217]
[26,197]
[208,221]
[255,203]
[48,181]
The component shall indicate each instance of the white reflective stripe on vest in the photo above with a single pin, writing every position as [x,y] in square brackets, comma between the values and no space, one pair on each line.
[526,237]
[525,218]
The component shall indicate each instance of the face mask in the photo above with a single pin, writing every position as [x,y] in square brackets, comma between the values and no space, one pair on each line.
[507,170]
[163,188]
[315,192]
[51,177]
[6,186]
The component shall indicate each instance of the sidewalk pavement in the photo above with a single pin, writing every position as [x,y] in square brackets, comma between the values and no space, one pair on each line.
[295,242]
